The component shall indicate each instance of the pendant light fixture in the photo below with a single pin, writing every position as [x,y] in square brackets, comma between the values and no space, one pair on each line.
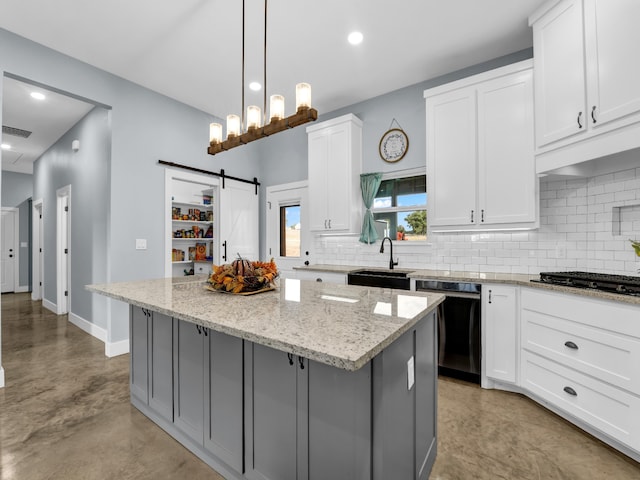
[241,131]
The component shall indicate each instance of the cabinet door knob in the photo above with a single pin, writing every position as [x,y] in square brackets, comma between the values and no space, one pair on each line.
[570,344]
[579,122]
[290,357]
[593,114]
[301,362]
[318,279]
[570,391]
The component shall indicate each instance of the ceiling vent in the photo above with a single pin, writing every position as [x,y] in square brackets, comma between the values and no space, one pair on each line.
[16,132]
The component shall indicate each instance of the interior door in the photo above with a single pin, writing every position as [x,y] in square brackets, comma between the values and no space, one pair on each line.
[287,226]
[63,226]
[8,251]
[238,221]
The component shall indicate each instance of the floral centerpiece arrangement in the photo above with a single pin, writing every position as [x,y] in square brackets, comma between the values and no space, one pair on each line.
[244,276]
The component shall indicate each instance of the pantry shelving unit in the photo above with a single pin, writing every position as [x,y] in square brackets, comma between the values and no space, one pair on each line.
[192,228]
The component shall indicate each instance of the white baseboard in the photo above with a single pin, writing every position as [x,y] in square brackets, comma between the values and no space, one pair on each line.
[90,328]
[1,377]
[21,289]
[52,307]
[113,349]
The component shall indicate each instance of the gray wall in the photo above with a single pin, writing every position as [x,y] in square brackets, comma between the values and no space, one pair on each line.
[145,127]
[17,189]
[283,157]
[87,172]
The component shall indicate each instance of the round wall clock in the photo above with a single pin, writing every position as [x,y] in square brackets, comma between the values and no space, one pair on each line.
[393,145]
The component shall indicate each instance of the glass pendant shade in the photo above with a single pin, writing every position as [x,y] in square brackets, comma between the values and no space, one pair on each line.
[215,132]
[276,107]
[233,126]
[253,117]
[303,96]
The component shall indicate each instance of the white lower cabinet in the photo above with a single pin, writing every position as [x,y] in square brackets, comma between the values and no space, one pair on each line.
[610,410]
[501,349]
[582,356]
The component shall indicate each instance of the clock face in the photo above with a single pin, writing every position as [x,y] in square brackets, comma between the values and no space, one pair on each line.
[393,145]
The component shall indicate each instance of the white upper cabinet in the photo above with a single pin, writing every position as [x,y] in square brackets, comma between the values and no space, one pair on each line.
[480,152]
[451,144]
[559,73]
[612,37]
[335,164]
[587,85]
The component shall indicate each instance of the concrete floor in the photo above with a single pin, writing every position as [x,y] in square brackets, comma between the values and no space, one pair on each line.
[65,414]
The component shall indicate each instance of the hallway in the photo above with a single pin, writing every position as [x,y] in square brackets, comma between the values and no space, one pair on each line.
[65,414]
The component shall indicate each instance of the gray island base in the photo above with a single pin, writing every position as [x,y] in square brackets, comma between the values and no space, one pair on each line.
[310,381]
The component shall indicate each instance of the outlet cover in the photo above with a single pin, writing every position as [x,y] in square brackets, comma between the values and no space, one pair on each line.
[141,243]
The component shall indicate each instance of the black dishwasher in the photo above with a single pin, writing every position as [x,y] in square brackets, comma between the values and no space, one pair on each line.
[459,337]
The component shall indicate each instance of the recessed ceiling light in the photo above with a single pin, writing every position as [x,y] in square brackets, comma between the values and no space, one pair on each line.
[355,38]
[5,146]
[37,95]
[255,86]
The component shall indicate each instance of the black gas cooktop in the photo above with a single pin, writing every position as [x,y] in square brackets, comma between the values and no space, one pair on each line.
[622,284]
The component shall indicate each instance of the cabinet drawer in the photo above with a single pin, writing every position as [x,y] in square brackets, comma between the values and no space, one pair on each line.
[606,315]
[609,356]
[606,408]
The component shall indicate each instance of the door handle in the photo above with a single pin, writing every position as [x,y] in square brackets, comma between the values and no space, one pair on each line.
[224,245]
[489,296]
[593,114]
[579,117]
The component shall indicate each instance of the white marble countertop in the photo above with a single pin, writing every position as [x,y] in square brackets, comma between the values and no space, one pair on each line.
[481,277]
[340,325]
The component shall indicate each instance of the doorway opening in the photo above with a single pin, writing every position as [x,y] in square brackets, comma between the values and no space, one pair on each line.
[37,262]
[9,258]
[63,235]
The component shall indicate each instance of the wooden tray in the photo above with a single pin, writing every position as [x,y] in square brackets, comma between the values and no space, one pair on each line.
[265,289]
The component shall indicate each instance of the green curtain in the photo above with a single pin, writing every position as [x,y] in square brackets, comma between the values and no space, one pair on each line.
[369,184]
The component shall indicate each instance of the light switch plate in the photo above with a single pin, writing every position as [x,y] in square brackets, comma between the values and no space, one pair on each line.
[410,373]
[141,243]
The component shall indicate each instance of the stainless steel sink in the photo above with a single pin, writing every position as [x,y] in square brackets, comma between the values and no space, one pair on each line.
[379,278]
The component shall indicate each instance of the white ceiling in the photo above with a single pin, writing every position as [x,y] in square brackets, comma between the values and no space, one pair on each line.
[190,50]
[47,119]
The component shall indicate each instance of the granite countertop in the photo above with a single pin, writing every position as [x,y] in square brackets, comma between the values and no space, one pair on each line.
[342,326]
[480,277]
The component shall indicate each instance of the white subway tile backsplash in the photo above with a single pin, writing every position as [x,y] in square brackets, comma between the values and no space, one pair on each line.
[576,232]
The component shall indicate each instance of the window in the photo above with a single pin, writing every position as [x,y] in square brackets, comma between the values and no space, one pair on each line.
[290,231]
[400,208]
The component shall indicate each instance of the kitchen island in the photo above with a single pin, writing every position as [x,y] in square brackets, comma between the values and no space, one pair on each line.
[309,381]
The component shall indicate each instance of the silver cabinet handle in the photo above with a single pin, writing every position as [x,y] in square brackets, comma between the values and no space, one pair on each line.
[579,117]
[593,114]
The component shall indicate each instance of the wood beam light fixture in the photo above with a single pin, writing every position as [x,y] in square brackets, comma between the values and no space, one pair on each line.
[254,123]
